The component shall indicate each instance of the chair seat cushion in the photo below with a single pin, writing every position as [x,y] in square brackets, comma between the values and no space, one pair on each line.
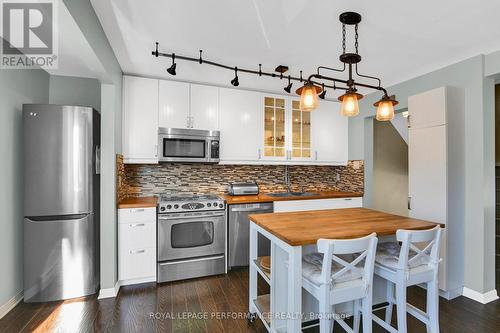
[388,256]
[312,265]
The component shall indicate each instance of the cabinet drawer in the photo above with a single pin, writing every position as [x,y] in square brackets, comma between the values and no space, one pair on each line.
[137,263]
[316,204]
[135,235]
[143,215]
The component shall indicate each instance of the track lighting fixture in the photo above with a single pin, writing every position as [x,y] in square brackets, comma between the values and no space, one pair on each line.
[235,81]
[316,83]
[323,92]
[171,69]
[288,88]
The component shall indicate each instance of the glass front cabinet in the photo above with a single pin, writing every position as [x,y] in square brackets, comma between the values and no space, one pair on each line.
[287,130]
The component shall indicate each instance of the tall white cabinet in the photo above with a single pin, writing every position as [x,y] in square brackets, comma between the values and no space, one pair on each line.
[140,120]
[436,175]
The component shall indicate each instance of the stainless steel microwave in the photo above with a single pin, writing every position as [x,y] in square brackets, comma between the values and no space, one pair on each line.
[188,145]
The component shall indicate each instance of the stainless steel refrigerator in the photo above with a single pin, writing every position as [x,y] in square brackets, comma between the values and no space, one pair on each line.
[61,201]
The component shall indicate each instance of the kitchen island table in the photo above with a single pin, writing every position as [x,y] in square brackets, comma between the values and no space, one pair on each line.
[292,234]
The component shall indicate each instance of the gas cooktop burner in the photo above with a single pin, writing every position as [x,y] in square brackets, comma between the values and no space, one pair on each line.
[173,203]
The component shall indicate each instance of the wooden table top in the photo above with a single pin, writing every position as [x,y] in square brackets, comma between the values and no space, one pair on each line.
[138,202]
[265,197]
[304,228]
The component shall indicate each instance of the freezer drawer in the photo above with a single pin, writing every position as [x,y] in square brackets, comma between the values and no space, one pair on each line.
[190,268]
[59,258]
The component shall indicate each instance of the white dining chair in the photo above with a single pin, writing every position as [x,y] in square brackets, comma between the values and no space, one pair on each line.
[408,265]
[345,275]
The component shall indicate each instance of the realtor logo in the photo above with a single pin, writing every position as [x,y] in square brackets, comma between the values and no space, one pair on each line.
[29,38]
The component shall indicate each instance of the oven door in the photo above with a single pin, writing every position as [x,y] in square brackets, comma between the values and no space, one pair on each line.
[190,235]
[176,148]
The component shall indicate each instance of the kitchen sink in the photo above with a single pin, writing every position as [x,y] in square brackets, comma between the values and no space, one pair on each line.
[291,194]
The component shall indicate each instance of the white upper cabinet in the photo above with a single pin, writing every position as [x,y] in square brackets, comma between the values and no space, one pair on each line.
[174,104]
[256,128]
[428,109]
[329,134]
[184,105]
[204,107]
[140,120]
[240,125]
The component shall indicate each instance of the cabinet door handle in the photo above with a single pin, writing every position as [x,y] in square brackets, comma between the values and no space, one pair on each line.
[259,154]
[156,150]
[137,210]
[409,203]
[347,199]
[137,251]
[137,225]
[316,155]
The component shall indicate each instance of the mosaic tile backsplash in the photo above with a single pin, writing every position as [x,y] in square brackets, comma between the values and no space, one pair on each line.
[166,178]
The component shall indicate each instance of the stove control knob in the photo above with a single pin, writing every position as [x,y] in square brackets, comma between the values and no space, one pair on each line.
[209,204]
[162,209]
[168,207]
[215,204]
[176,206]
[221,205]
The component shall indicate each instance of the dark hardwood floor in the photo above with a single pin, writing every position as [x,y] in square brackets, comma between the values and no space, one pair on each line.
[135,307]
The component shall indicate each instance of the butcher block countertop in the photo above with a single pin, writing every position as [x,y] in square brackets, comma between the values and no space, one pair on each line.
[304,228]
[265,197]
[138,202]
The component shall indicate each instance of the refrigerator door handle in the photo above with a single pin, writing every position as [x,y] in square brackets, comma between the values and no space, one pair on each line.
[57,217]
[97,160]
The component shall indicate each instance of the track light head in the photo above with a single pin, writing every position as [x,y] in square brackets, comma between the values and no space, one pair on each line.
[235,82]
[322,94]
[171,69]
[288,88]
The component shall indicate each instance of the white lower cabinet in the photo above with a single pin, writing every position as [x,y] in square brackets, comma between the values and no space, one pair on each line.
[136,245]
[317,204]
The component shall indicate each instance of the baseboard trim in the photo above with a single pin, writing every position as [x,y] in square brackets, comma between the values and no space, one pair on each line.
[137,281]
[11,303]
[487,297]
[109,292]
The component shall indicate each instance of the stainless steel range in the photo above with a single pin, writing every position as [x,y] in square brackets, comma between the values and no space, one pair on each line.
[191,236]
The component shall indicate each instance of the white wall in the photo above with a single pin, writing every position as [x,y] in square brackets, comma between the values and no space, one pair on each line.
[16,88]
[75,91]
[479,175]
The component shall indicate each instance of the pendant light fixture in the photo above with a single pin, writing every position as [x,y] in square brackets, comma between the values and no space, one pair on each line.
[385,108]
[316,83]
[350,105]
[308,96]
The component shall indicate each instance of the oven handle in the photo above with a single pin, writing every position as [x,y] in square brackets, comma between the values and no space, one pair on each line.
[189,260]
[170,218]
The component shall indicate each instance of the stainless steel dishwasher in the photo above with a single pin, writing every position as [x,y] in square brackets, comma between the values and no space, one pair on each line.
[239,233]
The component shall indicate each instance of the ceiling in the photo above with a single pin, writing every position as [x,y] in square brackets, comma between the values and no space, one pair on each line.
[76,56]
[398,39]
